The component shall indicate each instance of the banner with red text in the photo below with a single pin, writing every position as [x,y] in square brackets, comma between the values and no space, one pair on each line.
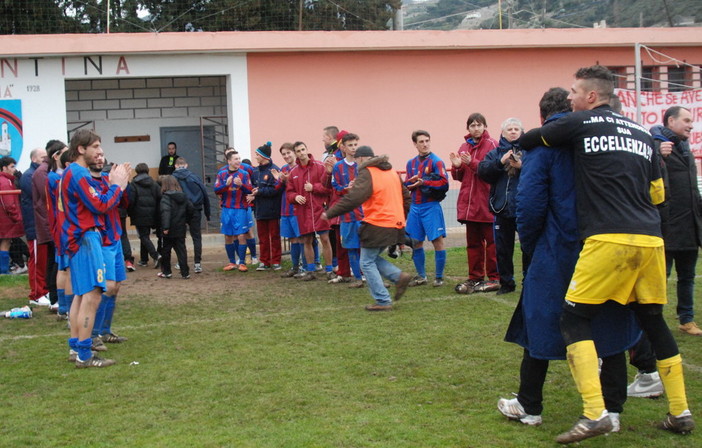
[654,105]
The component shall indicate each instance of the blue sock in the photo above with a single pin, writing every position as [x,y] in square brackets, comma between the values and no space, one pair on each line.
[418,258]
[335,261]
[440,259]
[328,268]
[83,349]
[69,302]
[4,262]
[106,327]
[73,343]
[251,243]
[236,252]
[231,252]
[354,263]
[242,254]
[310,267]
[62,301]
[315,246]
[295,249]
[99,316]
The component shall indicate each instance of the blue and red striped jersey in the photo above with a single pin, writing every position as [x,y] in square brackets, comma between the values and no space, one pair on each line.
[342,175]
[233,196]
[424,166]
[286,208]
[112,231]
[84,206]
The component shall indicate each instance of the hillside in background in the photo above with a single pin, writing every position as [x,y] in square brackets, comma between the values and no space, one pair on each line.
[484,14]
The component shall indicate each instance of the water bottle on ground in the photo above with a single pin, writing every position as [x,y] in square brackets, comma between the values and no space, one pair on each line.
[18,313]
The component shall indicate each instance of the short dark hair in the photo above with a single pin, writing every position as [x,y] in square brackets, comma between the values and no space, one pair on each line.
[601,80]
[172,143]
[298,143]
[555,100]
[66,158]
[476,116]
[417,133]
[333,131]
[230,154]
[286,145]
[84,138]
[348,137]
[142,168]
[672,112]
[50,143]
[7,161]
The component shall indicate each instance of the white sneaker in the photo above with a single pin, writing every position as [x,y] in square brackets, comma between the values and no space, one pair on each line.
[198,268]
[41,301]
[177,266]
[54,308]
[254,260]
[513,410]
[646,385]
[19,271]
[614,418]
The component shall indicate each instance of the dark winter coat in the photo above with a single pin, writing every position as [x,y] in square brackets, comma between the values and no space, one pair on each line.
[472,204]
[503,187]
[176,210]
[41,219]
[10,212]
[144,198]
[27,203]
[194,189]
[270,192]
[167,164]
[682,229]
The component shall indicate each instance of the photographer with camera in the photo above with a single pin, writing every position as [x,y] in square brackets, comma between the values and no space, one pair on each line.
[501,168]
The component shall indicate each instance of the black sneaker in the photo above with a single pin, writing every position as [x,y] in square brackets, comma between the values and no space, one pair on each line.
[506,289]
[681,424]
[94,361]
[142,263]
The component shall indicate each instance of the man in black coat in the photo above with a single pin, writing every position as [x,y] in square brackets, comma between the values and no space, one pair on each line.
[682,231]
[167,164]
[144,198]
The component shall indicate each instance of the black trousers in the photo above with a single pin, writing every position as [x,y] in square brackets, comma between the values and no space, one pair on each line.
[195,228]
[532,376]
[146,247]
[505,231]
[124,239]
[51,271]
[178,244]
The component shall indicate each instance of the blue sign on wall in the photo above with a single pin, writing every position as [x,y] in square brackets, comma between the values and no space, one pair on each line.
[11,136]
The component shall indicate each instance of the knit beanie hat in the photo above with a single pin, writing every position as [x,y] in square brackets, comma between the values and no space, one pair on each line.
[265,150]
[364,151]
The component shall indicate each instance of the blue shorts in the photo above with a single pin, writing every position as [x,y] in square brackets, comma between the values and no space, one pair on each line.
[250,217]
[349,235]
[236,221]
[289,227]
[61,261]
[115,270]
[426,221]
[87,265]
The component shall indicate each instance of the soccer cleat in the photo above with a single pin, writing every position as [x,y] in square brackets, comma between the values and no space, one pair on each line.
[690,328]
[318,267]
[230,267]
[299,274]
[377,307]
[262,267]
[307,276]
[60,316]
[487,286]
[616,424]
[98,345]
[162,275]
[467,287]
[198,268]
[130,266]
[680,424]
[243,268]
[73,355]
[646,385]
[142,263]
[41,301]
[94,361]
[356,284]
[438,282]
[112,338]
[418,281]
[289,273]
[276,267]
[513,410]
[331,275]
[338,279]
[401,285]
[585,428]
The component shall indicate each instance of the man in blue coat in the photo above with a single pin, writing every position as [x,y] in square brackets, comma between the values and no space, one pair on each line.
[547,226]
[195,190]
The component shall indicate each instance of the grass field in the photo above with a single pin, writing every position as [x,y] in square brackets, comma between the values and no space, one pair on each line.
[252,360]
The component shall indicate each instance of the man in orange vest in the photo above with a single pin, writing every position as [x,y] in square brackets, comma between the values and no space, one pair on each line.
[386,202]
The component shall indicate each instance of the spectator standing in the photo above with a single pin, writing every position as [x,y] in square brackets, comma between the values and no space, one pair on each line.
[195,190]
[10,212]
[266,197]
[167,163]
[176,211]
[472,207]
[144,197]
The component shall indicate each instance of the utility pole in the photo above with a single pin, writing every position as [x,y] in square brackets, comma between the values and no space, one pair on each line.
[299,18]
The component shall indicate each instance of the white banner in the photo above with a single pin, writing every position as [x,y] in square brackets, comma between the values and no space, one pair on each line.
[654,105]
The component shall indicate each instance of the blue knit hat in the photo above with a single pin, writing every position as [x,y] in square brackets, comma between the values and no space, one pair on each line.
[265,150]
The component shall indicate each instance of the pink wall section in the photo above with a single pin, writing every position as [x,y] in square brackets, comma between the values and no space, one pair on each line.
[384,95]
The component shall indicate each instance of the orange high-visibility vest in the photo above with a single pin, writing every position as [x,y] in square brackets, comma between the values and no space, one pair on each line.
[384,208]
